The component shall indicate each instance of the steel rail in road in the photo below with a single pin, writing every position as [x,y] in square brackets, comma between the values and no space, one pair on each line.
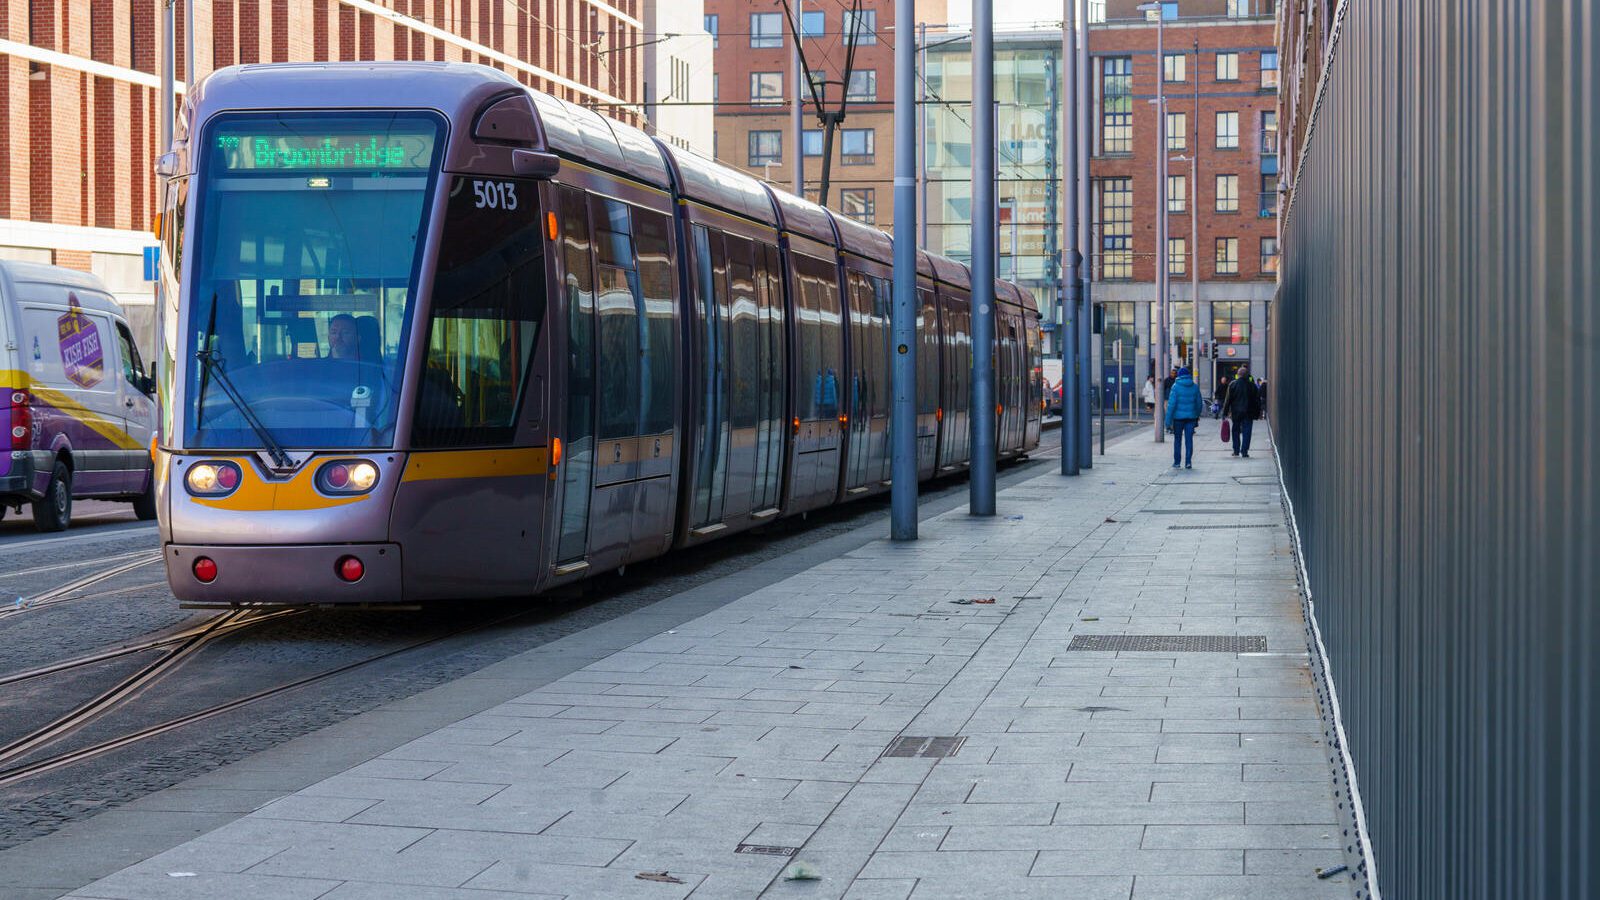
[146,645]
[65,591]
[49,764]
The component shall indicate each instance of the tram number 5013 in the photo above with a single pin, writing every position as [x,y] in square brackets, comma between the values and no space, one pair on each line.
[494,194]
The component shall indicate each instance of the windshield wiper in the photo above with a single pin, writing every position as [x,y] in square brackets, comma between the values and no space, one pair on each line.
[208,358]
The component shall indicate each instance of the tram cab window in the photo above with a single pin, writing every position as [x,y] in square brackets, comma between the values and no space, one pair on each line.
[307,232]
[487,305]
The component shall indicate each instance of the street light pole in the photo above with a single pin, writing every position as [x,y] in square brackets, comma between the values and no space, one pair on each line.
[1068,322]
[980,482]
[796,112]
[1160,350]
[903,423]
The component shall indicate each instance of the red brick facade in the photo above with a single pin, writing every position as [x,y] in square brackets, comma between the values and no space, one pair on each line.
[1247,95]
[77,141]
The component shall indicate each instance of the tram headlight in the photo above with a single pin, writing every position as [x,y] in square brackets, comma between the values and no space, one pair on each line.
[347,476]
[212,479]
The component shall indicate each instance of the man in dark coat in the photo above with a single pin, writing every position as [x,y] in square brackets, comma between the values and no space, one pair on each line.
[1242,406]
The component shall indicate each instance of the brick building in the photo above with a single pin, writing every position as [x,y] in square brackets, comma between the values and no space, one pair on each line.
[79,94]
[1221,72]
[754,89]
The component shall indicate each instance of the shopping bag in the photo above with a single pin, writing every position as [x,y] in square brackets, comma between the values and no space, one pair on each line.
[1225,436]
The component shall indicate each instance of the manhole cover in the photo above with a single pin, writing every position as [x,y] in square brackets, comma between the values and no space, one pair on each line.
[925,747]
[1216,527]
[766,850]
[1171,643]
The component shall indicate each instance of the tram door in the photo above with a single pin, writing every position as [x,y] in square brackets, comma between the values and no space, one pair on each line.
[928,372]
[956,327]
[712,438]
[577,464]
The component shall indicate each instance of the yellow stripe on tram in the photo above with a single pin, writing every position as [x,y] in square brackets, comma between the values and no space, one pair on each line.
[508,463]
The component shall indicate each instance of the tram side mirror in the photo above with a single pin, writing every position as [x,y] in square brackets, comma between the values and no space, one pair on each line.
[534,163]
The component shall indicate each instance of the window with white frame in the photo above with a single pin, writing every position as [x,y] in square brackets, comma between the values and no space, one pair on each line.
[1227,193]
[1227,131]
[1227,67]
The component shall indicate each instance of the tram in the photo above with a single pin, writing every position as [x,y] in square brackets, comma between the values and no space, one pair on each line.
[430,334]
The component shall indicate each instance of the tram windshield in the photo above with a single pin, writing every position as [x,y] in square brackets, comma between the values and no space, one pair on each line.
[304,284]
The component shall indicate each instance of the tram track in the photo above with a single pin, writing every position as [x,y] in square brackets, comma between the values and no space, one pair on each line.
[129,688]
[66,592]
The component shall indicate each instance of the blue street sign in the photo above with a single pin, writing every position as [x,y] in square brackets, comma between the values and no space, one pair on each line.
[152,263]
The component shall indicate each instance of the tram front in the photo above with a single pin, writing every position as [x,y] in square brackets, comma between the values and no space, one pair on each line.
[342,301]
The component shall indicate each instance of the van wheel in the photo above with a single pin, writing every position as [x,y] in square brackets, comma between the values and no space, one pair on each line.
[144,505]
[53,512]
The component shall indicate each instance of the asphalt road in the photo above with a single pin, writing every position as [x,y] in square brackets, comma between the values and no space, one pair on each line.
[378,656]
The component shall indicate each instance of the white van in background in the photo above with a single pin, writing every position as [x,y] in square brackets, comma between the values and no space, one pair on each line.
[77,411]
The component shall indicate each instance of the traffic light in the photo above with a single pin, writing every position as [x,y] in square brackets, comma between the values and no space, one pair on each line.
[1213,349]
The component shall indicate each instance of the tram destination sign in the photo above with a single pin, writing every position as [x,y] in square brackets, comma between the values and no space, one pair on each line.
[324,152]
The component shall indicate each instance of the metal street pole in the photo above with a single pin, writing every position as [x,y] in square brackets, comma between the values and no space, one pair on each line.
[903,423]
[168,65]
[1160,350]
[1068,322]
[188,40]
[797,108]
[1084,318]
[922,136]
[980,483]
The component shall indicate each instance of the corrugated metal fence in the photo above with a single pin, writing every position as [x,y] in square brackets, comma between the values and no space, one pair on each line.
[1435,405]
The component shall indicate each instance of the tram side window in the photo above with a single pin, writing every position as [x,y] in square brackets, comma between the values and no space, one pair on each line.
[488,303]
[617,301]
[742,358]
[658,364]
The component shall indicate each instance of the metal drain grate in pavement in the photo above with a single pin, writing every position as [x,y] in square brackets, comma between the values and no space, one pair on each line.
[1215,527]
[1171,643]
[924,747]
[766,850]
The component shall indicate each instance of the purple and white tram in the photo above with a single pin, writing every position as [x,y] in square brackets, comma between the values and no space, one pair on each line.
[431,334]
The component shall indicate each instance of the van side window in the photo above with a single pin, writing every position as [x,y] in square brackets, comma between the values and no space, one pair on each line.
[132,366]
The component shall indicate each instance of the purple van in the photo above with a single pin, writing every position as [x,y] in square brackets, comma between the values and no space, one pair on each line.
[76,406]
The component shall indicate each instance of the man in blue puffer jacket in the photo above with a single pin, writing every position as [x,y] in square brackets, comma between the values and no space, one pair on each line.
[1183,414]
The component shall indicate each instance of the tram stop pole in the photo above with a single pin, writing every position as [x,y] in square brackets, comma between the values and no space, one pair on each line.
[1067,322]
[980,482]
[903,323]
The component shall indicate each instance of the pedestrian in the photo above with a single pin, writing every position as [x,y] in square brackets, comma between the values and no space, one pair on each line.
[1166,384]
[1183,414]
[1242,406]
[1220,392]
[1149,393]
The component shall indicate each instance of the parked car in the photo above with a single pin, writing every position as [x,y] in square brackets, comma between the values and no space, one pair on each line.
[76,407]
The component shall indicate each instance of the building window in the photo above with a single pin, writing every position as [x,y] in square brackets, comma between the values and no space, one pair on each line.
[766,29]
[1177,256]
[1227,131]
[1116,228]
[1177,193]
[866,30]
[858,204]
[857,146]
[1177,68]
[813,24]
[1238,9]
[1116,87]
[863,85]
[1269,69]
[1177,131]
[1230,321]
[1269,256]
[1227,67]
[817,83]
[1169,11]
[766,147]
[1227,256]
[1227,193]
[766,87]
[716,88]
[812,141]
[1269,131]
[711,28]
[1097,12]
[1269,195]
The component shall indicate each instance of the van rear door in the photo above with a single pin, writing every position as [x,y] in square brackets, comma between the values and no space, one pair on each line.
[139,410]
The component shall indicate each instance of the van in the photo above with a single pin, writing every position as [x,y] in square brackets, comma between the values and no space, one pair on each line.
[77,410]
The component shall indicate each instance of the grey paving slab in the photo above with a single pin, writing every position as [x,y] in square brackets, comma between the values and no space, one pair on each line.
[760,719]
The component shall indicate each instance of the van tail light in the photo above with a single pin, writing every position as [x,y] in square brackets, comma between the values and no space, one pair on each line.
[21,420]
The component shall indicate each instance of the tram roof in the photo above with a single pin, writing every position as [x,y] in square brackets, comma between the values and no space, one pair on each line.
[707,182]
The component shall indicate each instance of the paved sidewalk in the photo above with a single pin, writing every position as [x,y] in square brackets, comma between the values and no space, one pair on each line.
[761,725]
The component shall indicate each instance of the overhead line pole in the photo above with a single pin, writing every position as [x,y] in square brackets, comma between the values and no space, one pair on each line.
[797,113]
[1085,316]
[980,483]
[1067,322]
[903,322]
[1159,352]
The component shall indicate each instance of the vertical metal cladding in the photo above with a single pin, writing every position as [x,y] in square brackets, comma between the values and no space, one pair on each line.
[1435,406]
